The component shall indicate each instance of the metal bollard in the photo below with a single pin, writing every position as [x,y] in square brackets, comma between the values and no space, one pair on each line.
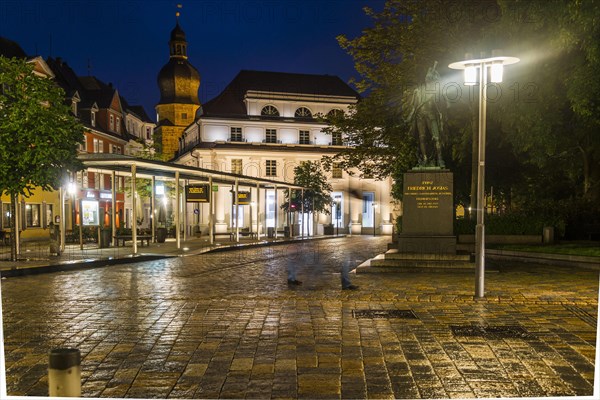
[64,373]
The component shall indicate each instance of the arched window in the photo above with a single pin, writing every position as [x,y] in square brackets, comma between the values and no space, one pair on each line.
[303,112]
[335,113]
[269,111]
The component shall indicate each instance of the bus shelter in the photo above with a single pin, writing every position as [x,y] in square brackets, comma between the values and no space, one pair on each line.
[198,185]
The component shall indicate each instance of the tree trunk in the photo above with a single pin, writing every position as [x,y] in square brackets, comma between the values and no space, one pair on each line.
[13,227]
[586,171]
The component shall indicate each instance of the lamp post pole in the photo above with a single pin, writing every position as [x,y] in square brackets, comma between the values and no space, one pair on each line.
[374,219]
[469,66]
[337,217]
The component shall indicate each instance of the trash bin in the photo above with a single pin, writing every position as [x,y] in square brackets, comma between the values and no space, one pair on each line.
[271,232]
[161,235]
[105,237]
[286,231]
[54,239]
[548,236]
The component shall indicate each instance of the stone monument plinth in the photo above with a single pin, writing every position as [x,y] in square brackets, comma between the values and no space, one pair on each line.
[428,213]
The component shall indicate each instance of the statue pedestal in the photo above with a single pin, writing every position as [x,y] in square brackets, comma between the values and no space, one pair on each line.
[428,213]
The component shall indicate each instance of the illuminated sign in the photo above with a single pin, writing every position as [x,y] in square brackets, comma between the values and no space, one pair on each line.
[197,193]
[89,213]
[105,195]
[244,198]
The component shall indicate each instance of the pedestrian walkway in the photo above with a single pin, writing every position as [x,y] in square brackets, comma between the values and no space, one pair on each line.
[229,326]
[35,256]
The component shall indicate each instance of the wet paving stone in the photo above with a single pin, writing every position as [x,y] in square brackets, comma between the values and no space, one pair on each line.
[228,326]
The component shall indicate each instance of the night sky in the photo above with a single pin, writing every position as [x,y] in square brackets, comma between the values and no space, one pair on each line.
[126,42]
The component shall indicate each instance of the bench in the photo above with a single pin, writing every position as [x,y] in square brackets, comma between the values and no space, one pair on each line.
[125,238]
[5,237]
[244,232]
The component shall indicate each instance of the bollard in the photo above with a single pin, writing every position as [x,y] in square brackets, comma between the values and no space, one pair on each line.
[64,373]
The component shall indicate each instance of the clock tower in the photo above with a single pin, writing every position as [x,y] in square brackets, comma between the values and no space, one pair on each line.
[178,82]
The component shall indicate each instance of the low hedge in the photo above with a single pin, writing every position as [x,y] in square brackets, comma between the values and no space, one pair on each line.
[506,224]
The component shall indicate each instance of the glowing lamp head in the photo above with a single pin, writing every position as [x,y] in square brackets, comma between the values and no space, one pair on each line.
[72,188]
[470,75]
[496,72]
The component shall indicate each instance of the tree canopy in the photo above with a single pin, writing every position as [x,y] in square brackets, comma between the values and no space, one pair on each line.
[543,120]
[38,133]
[317,195]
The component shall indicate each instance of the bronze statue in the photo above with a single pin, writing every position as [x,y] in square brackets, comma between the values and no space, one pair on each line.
[426,120]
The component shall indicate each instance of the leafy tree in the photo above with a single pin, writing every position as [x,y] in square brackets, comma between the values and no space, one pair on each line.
[317,192]
[38,133]
[542,129]
[392,58]
[552,112]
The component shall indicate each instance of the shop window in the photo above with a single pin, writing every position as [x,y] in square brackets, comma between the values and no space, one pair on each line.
[5,215]
[32,215]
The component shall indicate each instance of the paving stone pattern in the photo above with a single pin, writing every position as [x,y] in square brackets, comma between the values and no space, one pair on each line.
[226,325]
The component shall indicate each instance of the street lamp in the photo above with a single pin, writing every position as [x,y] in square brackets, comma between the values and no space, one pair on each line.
[337,215]
[374,204]
[470,66]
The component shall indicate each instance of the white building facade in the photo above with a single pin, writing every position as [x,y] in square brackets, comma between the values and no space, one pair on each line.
[263,125]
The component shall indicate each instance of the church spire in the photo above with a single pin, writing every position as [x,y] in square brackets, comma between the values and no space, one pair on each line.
[178,43]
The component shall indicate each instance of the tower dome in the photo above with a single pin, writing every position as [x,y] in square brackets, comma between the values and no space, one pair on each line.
[178,80]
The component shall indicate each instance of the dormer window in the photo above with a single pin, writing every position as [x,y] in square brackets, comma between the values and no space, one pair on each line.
[93,118]
[269,111]
[335,113]
[118,125]
[111,123]
[303,112]
[74,107]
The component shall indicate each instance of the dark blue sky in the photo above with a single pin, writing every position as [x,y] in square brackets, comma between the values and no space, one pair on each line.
[126,42]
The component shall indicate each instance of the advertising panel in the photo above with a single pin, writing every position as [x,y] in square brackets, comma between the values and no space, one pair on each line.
[90,213]
[197,193]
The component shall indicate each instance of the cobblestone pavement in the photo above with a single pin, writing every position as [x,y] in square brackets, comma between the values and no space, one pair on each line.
[226,325]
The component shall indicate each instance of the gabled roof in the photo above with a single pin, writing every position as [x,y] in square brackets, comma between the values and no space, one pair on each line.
[231,101]
[10,49]
[65,77]
[94,88]
[136,110]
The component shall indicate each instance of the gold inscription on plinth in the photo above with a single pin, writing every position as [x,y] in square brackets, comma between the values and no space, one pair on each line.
[427,195]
